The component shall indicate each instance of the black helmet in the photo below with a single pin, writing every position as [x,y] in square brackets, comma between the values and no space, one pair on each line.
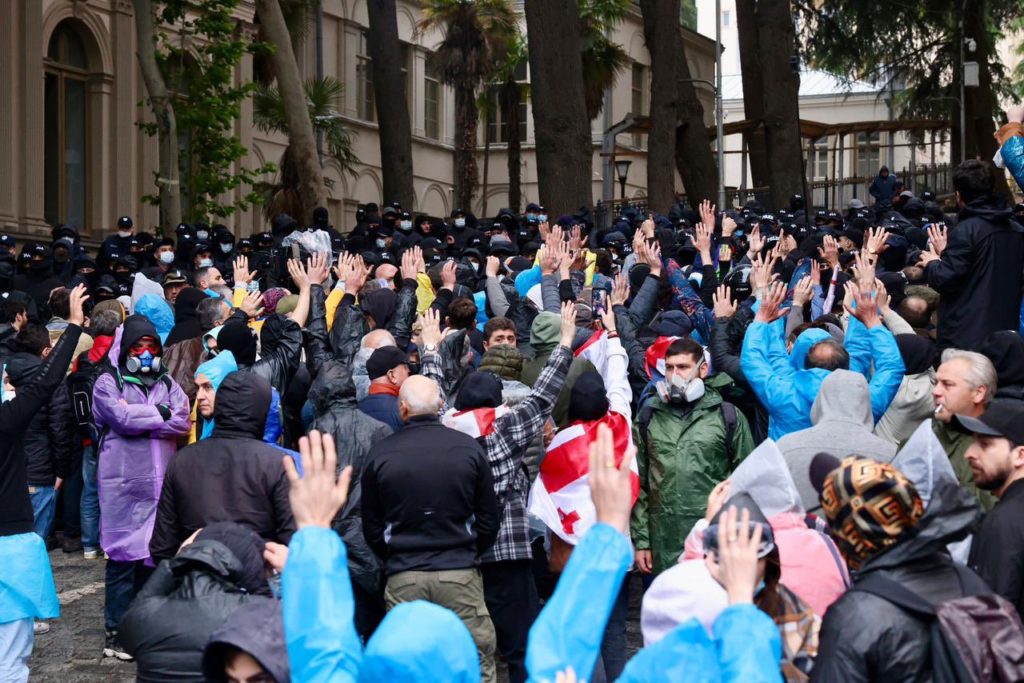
[125,222]
[738,281]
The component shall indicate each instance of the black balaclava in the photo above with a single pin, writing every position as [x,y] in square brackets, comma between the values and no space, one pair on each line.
[588,400]
[918,353]
[479,390]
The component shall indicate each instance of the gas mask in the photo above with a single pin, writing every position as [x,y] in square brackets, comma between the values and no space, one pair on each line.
[144,363]
[678,390]
[167,257]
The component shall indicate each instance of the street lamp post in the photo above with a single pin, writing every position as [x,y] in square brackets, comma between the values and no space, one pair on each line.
[622,171]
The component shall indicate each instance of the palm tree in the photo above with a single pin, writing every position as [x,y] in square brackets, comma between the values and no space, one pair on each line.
[323,98]
[602,59]
[476,37]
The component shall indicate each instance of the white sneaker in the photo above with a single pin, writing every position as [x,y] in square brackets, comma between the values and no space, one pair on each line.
[92,554]
[40,627]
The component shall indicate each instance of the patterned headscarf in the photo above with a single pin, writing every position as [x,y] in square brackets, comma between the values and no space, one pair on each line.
[869,506]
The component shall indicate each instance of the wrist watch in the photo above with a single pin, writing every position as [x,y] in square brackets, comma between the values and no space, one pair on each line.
[430,348]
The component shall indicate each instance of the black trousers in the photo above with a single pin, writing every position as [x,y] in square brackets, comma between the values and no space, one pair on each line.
[511,596]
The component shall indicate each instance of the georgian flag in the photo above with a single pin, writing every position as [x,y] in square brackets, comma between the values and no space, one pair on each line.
[477,422]
[560,497]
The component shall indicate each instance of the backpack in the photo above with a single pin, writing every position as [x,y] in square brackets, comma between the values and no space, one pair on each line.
[80,385]
[728,411]
[975,638]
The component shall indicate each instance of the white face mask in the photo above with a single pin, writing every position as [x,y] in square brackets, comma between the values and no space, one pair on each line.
[542,218]
[124,234]
[202,235]
[460,222]
[405,225]
[226,247]
[167,257]
[381,243]
[205,263]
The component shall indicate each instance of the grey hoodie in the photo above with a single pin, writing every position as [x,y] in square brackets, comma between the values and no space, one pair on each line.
[842,420]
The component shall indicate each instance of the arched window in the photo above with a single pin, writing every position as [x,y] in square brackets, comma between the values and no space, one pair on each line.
[66,124]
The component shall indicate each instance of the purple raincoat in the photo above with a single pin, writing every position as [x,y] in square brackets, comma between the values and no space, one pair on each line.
[133,455]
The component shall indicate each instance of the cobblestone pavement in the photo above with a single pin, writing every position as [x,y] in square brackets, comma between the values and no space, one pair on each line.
[72,652]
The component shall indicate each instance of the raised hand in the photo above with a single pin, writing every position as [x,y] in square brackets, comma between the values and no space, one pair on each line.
[803,292]
[755,242]
[829,251]
[770,309]
[738,542]
[639,247]
[724,305]
[448,273]
[252,305]
[568,324]
[549,260]
[575,239]
[654,258]
[77,300]
[610,486]
[702,240]
[728,226]
[815,272]
[707,213]
[866,311]
[409,269]
[883,298]
[647,227]
[430,335]
[492,267]
[317,269]
[298,274]
[864,266]
[875,240]
[318,494]
[938,238]
[243,276]
[620,290]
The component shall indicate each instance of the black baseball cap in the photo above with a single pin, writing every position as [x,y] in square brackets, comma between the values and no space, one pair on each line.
[383,360]
[1003,419]
[125,222]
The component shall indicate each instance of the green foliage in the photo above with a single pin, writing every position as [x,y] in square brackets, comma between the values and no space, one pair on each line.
[602,59]
[199,66]
[913,46]
[478,34]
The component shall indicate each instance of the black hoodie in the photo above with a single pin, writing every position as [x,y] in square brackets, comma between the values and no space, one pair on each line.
[186,316]
[1006,351]
[233,476]
[47,443]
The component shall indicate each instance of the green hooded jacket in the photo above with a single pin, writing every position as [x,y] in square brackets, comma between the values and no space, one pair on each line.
[683,459]
[544,337]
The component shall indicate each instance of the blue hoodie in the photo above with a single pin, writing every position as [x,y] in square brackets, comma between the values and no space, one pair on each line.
[417,641]
[159,312]
[787,389]
[215,370]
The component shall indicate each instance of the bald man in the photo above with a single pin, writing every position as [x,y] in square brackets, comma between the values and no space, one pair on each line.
[370,342]
[429,512]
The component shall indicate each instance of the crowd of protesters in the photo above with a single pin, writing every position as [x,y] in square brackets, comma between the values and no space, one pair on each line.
[431,448]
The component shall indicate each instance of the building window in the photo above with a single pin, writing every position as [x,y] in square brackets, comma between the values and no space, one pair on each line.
[365,107]
[432,102]
[66,122]
[817,159]
[868,154]
[725,19]
[639,103]
[498,119]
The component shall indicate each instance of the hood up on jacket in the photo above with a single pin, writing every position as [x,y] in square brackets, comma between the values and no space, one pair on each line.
[765,476]
[256,628]
[1006,351]
[951,511]
[22,367]
[333,388]
[546,332]
[420,641]
[135,328]
[803,344]
[843,397]
[215,370]
[229,551]
[271,333]
[242,405]
[158,312]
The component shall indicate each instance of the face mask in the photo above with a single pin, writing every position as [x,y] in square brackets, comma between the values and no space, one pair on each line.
[460,223]
[531,218]
[122,276]
[144,363]
[380,244]
[167,257]
[61,257]
[124,234]
[679,390]
[205,263]
[226,247]
[405,225]
[542,218]
[202,235]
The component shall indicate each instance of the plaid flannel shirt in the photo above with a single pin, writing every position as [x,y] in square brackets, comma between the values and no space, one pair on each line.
[506,446]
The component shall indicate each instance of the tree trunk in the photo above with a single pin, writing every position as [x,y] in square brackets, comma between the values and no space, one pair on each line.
[781,109]
[466,172]
[981,101]
[509,99]
[487,162]
[664,43]
[300,128]
[168,183]
[694,159]
[562,128]
[392,103]
[753,89]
